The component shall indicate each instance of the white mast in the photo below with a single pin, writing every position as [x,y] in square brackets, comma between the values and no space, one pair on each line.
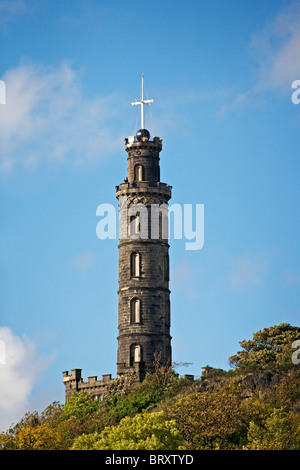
[142,102]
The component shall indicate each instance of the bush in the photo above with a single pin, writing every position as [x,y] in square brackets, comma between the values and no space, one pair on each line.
[80,406]
[281,431]
[150,431]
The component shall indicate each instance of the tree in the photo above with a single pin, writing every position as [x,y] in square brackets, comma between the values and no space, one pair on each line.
[80,405]
[40,437]
[34,431]
[280,431]
[154,388]
[7,440]
[150,431]
[211,420]
[269,350]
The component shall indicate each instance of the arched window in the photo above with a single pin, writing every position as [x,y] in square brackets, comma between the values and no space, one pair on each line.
[135,263]
[138,173]
[135,353]
[135,225]
[135,311]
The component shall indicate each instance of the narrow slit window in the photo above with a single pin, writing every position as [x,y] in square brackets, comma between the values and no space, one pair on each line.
[135,311]
[135,353]
[138,173]
[135,226]
[135,264]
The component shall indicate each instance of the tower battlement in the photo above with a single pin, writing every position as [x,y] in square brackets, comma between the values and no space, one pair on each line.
[74,383]
[134,141]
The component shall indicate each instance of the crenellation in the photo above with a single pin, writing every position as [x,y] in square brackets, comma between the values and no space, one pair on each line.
[75,375]
[92,380]
[93,386]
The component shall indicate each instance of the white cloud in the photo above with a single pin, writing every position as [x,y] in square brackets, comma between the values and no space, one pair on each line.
[249,270]
[276,50]
[20,368]
[10,10]
[275,53]
[47,116]
[12,7]
[84,262]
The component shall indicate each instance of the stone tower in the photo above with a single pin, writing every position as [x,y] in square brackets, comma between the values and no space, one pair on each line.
[144,295]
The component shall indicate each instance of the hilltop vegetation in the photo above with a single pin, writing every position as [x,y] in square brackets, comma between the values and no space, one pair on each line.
[255,405]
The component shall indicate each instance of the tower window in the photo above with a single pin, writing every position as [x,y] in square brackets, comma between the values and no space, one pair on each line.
[135,311]
[135,262]
[135,224]
[167,267]
[135,353]
[139,173]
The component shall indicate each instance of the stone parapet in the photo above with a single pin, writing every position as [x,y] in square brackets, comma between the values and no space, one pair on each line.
[74,383]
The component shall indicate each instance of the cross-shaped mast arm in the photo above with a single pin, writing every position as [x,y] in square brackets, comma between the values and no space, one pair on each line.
[142,102]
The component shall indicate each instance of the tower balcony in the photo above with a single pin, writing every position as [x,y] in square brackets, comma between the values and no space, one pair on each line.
[142,187]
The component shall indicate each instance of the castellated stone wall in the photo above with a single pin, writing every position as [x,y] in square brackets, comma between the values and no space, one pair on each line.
[74,383]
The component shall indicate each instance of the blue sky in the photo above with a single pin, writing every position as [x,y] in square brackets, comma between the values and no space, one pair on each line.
[220,74]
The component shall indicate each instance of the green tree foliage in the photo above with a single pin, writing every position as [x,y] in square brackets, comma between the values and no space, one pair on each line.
[40,437]
[270,349]
[80,406]
[280,431]
[225,410]
[212,420]
[150,431]
[223,419]
[155,388]
[35,432]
